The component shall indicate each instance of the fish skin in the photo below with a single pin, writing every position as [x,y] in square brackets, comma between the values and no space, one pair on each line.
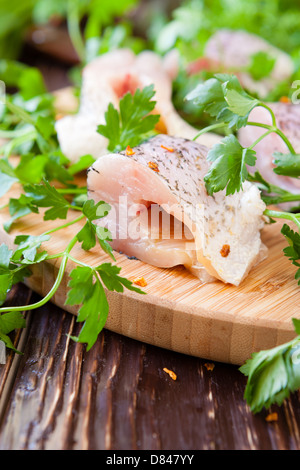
[178,188]
[77,134]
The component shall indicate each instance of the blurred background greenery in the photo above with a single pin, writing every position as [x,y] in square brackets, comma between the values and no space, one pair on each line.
[156,24]
[73,32]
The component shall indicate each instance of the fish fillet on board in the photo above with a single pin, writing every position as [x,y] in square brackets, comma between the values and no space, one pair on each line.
[105,80]
[162,215]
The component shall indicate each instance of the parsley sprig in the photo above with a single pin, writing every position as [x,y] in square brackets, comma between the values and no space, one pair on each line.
[29,127]
[273,374]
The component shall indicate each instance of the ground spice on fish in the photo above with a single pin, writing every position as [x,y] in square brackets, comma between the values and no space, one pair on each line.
[129,151]
[171,373]
[225,251]
[169,149]
[153,166]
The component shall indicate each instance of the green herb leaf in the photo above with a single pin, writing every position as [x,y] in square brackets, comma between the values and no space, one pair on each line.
[28,246]
[111,279]
[229,167]
[45,195]
[287,164]
[261,65]
[132,124]
[88,293]
[293,250]
[272,375]
[224,98]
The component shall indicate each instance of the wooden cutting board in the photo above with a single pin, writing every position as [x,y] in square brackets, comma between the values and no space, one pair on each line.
[214,321]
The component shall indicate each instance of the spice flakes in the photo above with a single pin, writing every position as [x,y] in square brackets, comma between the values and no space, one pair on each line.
[225,250]
[170,373]
[153,166]
[169,149]
[272,417]
[139,281]
[129,151]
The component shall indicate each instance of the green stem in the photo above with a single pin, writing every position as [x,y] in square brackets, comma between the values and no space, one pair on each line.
[54,288]
[73,24]
[72,222]
[282,215]
[274,124]
[209,128]
[277,131]
[260,138]
[72,190]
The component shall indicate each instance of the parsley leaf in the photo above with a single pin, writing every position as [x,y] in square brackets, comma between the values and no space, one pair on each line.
[229,167]
[91,231]
[132,124]
[261,65]
[8,322]
[86,289]
[293,250]
[224,98]
[287,164]
[45,195]
[27,249]
[272,374]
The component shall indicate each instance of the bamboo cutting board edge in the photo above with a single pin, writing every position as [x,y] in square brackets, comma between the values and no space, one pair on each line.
[215,322]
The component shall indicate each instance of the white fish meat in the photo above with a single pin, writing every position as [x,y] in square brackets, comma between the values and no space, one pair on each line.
[162,215]
[105,80]
[288,120]
[233,51]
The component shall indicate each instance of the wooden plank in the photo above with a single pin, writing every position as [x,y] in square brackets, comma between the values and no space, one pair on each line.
[215,321]
[117,396]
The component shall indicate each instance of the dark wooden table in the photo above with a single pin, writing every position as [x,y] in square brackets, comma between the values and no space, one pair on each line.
[117,396]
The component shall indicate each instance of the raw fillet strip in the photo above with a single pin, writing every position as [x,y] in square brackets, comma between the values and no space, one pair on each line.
[105,80]
[229,51]
[288,120]
[210,223]
[233,51]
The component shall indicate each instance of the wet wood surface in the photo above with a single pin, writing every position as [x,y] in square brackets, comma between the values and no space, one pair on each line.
[117,396]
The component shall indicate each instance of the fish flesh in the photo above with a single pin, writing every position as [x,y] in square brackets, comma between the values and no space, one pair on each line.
[288,120]
[231,51]
[162,214]
[105,80]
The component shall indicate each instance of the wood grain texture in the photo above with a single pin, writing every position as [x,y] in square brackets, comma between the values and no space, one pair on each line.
[118,397]
[214,321]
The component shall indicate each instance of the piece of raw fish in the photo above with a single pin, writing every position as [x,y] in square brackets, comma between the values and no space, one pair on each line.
[162,214]
[231,51]
[288,120]
[105,80]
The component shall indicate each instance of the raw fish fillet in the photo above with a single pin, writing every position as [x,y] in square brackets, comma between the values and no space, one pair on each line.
[288,119]
[232,51]
[105,80]
[162,215]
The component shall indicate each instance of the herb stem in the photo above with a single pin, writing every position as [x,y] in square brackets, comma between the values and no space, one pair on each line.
[72,222]
[260,138]
[209,128]
[282,215]
[54,288]
[263,105]
[72,190]
[277,131]
[73,24]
